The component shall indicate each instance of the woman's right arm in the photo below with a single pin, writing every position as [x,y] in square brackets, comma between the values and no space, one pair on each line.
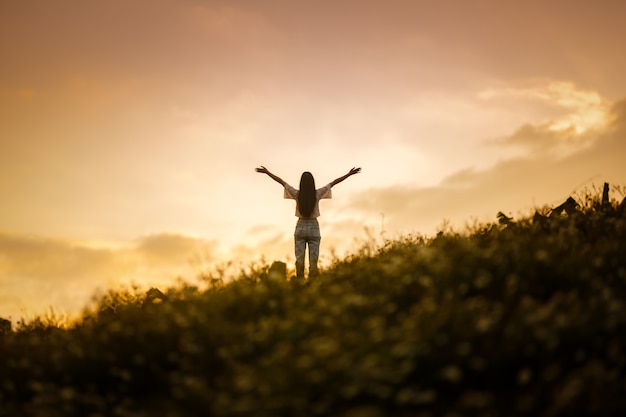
[276,178]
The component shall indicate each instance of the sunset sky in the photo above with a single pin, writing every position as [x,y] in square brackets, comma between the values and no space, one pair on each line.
[130,129]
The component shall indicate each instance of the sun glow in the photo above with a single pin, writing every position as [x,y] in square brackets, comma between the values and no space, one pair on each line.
[129,131]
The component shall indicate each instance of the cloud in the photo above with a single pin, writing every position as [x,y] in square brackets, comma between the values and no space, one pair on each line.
[515,185]
[578,116]
[51,259]
[269,247]
[38,272]
[226,19]
[171,249]
[618,118]
[541,139]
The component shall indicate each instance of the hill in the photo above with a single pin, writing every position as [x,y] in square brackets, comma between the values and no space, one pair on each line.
[518,318]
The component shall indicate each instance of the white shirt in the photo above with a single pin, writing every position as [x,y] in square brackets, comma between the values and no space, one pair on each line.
[324,192]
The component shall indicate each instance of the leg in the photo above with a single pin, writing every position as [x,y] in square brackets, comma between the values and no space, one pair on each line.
[314,239]
[300,247]
[314,254]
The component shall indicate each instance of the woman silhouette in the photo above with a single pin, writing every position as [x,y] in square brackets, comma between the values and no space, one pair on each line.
[307,210]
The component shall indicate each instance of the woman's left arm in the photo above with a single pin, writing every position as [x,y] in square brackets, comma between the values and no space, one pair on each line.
[338,180]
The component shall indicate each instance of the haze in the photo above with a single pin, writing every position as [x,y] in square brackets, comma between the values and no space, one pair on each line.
[130,130]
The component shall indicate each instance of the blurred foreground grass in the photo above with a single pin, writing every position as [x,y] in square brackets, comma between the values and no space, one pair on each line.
[523,318]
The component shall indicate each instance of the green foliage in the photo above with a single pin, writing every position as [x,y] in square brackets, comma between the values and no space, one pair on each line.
[522,319]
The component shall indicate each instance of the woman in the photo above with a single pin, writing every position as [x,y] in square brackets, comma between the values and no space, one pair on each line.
[307,210]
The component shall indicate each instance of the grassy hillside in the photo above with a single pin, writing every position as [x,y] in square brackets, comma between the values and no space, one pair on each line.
[523,318]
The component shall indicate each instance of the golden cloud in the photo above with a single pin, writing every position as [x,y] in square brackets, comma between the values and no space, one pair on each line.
[514,186]
[39,272]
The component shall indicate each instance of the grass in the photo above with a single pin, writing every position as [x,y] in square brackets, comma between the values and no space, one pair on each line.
[526,318]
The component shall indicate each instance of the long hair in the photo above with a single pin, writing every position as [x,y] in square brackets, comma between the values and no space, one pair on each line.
[306,194]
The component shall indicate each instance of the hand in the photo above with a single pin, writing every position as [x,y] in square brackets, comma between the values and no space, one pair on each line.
[262,170]
[354,171]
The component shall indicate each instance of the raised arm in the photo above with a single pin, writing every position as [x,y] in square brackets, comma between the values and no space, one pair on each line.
[276,178]
[338,180]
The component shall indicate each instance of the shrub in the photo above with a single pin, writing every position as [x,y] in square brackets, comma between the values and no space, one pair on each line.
[519,318]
